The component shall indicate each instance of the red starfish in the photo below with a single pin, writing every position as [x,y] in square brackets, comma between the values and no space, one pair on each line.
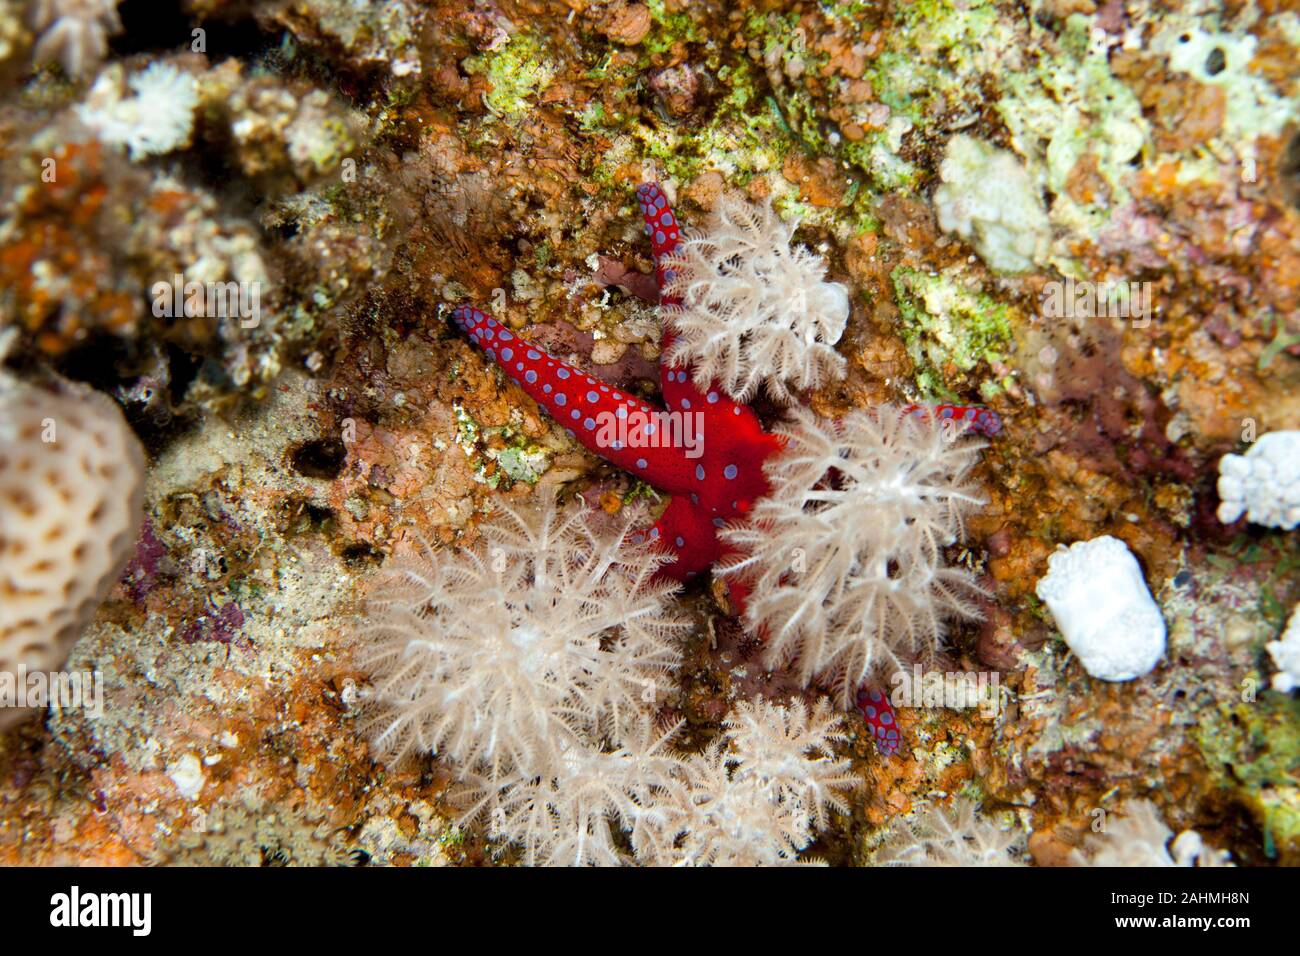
[704,449]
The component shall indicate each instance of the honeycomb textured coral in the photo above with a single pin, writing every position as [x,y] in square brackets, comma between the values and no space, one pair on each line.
[990,200]
[71,489]
[1264,483]
[1101,603]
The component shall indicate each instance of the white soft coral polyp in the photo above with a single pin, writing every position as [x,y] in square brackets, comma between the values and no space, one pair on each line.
[845,558]
[1264,483]
[756,308]
[1106,614]
[157,119]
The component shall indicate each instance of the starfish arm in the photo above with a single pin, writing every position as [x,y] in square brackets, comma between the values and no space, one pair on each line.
[664,230]
[637,437]
[689,535]
[979,419]
[734,444]
[704,449]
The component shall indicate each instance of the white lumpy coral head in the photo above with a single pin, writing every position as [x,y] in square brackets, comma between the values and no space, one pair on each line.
[991,201]
[1264,483]
[845,558]
[1286,655]
[549,633]
[756,309]
[71,489]
[1104,609]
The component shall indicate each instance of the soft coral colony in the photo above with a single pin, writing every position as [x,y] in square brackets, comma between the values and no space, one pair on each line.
[536,663]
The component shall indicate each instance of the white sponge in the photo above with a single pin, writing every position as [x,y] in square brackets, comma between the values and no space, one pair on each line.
[1264,483]
[71,489]
[1101,604]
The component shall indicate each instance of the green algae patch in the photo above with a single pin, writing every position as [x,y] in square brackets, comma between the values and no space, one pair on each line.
[741,140]
[1253,747]
[517,72]
[947,328]
[668,28]
[520,460]
[1074,104]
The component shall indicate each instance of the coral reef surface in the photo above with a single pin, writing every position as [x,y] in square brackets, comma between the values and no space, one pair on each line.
[345,579]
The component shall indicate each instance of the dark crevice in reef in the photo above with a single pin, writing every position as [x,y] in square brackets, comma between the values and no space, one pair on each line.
[1288,170]
[152,27]
[149,384]
[360,554]
[323,458]
[184,368]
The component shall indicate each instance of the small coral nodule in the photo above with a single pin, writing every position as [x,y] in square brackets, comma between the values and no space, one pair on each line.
[1286,655]
[157,119]
[843,561]
[1105,611]
[1264,483]
[756,310]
